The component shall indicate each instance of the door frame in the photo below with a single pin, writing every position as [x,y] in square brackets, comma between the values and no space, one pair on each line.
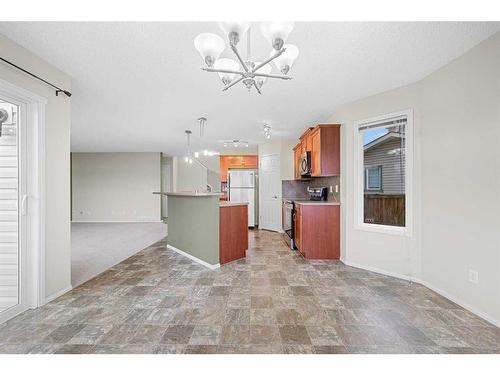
[32,280]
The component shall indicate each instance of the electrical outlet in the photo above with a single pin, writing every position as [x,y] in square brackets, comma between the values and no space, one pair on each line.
[331,189]
[336,188]
[473,276]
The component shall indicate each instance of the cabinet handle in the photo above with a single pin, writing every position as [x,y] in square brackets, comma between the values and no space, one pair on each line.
[23,205]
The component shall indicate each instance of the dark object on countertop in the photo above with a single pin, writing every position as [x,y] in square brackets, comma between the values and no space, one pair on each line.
[318,194]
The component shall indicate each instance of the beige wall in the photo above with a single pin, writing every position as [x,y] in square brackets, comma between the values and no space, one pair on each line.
[116,186]
[57,165]
[456,181]
[190,177]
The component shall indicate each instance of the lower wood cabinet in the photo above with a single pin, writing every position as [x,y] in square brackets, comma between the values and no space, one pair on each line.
[233,232]
[317,230]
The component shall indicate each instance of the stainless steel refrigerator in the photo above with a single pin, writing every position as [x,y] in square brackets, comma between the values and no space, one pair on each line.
[243,187]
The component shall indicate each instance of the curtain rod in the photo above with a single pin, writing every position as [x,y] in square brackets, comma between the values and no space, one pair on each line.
[58,89]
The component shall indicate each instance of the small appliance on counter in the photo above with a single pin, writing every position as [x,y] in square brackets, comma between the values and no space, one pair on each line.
[318,194]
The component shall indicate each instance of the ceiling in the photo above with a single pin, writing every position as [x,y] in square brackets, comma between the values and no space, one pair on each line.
[138,86]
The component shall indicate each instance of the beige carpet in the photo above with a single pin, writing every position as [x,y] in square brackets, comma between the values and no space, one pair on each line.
[97,246]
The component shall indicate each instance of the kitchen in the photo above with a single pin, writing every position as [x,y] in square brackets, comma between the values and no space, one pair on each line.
[310,204]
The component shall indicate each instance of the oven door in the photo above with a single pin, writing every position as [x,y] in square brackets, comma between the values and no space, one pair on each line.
[287,216]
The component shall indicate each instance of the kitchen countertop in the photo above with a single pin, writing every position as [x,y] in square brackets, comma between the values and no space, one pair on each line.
[189,194]
[317,203]
[232,204]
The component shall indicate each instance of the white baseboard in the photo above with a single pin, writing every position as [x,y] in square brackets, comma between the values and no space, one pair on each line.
[57,294]
[381,271]
[443,293]
[198,260]
[463,304]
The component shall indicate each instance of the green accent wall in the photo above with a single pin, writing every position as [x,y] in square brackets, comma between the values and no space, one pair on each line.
[193,226]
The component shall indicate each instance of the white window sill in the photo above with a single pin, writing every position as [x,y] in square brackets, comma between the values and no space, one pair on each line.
[384,229]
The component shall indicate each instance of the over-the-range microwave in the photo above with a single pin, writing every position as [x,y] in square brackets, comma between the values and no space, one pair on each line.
[305,164]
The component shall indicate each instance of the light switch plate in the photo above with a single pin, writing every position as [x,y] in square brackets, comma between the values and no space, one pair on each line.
[473,276]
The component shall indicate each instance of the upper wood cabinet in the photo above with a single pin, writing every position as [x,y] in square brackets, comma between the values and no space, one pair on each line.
[306,141]
[236,162]
[297,151]
[325,150]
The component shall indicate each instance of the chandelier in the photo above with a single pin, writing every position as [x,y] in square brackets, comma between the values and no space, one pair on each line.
[251,73]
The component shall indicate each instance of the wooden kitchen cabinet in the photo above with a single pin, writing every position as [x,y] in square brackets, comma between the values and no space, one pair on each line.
[297,151]
[325,150]
[236,162]
[233,232]
[317,230]
[306,141]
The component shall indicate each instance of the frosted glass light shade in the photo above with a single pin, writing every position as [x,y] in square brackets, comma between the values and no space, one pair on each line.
[210,46]
[287,58]
[276,33]
[227,64]
[266,69]
[234,30]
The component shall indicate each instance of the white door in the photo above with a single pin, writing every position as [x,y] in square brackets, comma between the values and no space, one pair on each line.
[13,200]
[270,193]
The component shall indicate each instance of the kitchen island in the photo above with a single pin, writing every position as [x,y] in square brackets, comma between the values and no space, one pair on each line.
[205,229]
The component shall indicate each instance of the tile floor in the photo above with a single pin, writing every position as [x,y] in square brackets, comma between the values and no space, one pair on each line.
[271,302]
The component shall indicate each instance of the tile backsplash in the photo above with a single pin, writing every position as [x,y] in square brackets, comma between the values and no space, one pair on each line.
[297,189]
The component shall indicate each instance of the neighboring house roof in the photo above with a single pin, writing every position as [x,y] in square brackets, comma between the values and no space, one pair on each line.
[383,139]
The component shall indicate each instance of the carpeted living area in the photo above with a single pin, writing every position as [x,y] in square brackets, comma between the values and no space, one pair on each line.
[97,246]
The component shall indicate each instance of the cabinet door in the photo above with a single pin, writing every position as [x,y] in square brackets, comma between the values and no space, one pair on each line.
[316,153]
[251,161]
[308,140]
[296,158]
[223,168]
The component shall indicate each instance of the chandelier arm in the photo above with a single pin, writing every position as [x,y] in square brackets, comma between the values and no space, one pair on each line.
[245,67]
[257,87]
[233,83]
[277,54]
[223,71]
[272,76]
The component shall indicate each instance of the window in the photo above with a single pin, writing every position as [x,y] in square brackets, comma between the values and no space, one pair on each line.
[384,160]
[373,178]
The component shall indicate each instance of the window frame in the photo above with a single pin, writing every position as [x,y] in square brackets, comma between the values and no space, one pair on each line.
[367,188]
[359,175]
